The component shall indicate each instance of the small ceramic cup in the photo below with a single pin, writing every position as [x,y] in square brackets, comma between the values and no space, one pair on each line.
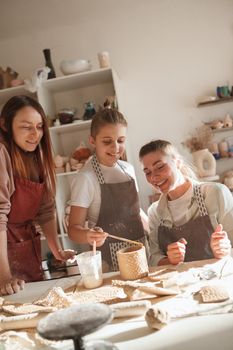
[104,60]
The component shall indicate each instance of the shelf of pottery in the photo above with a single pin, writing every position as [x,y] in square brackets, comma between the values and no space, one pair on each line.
[74,92]
[221,145]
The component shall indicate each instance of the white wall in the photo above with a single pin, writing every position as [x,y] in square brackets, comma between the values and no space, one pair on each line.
[167,53]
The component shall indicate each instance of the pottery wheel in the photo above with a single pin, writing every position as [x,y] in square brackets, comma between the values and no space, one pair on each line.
[74,322]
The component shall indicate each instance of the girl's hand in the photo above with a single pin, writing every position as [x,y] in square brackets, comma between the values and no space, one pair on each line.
[219,243]
[98,235]
[67,254]
[11,286]
[176,251]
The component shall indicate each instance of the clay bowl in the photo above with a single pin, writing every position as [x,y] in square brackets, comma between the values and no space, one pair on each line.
[66,116]
[74,66]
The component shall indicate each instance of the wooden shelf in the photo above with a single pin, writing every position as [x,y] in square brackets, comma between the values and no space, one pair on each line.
[209,178]
[223,158]
[215,131]
[215,102]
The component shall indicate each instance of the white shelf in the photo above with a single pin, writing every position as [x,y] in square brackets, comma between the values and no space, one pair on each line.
[79,124]
[66,173]
[6,94]
[79,80]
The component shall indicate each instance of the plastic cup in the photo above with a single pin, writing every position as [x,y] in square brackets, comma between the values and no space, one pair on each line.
[90,268]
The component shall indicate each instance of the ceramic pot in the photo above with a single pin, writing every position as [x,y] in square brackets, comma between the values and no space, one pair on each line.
[204,162]
[66,115]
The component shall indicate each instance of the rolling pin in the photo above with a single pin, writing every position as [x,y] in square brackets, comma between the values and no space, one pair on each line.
[130,308]
[20,321]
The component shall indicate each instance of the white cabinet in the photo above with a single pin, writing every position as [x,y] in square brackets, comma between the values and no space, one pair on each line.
[64,92]
[76,89]
[65,139]
[73,91]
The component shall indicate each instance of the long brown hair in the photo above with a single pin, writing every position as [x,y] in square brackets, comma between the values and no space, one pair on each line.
[43,152]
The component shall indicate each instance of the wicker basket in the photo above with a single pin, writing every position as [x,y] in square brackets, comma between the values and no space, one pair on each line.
[132,262]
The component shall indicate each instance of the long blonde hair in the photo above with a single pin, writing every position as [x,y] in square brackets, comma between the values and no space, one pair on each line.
[168,149]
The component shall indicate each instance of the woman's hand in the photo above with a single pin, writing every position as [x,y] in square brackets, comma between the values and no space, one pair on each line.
[176,251]
[219,243]
[65,255]
[11,286]
[98,235]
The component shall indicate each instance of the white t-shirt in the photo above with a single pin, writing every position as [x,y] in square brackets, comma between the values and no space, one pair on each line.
[85,188]
[219,204]
[179,207]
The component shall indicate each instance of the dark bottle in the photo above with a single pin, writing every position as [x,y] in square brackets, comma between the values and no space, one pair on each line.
[48,63]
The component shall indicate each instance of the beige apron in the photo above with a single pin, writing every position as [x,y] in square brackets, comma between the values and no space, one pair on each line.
[119,215]
[197,233]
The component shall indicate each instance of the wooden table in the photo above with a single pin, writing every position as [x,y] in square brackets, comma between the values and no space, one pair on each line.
[195,333]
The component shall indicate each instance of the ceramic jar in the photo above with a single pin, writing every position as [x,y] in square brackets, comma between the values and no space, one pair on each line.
[204,162]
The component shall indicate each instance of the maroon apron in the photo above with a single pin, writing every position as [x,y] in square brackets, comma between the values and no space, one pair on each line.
[23,242]
[197,233]
[119,215]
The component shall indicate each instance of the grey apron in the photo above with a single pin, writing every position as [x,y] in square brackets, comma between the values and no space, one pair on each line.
[197,233]
[119,215]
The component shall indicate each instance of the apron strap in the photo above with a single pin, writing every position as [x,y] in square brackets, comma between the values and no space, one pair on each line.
[161,221]
[97,169]
[200,200]
[123,169]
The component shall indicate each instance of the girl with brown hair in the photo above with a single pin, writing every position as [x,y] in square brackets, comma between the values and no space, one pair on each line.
[104,192]
[27,190]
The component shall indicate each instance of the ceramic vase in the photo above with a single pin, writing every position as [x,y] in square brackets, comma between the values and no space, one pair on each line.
[49,64]
[204,162]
